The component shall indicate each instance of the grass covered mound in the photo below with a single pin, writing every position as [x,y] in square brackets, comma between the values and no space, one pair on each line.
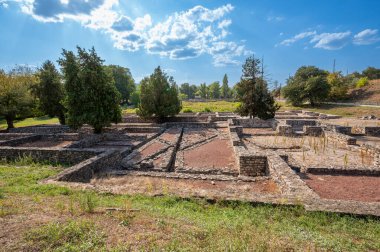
[44,217]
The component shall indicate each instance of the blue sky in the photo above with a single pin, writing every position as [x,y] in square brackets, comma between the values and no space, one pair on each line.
[195,41]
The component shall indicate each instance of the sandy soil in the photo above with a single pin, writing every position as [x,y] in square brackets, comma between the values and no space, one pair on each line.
[359,188]
[215,154]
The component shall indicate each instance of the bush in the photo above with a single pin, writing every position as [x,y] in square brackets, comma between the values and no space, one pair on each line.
[362,82]
[207,110]
[187,110]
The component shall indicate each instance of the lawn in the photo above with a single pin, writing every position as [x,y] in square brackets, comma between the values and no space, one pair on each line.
[30,122]
[39,217]
[345,111]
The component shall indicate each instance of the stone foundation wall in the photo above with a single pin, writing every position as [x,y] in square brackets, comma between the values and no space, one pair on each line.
[372,131]
[252,165]
[84,171]
[299,124]
[340,138]
[42,129]
[284,130]
[254,123]
[20,140]
[63,156]
[313,130]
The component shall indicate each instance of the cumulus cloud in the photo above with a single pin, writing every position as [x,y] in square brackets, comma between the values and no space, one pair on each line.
[366,37]
[182,35]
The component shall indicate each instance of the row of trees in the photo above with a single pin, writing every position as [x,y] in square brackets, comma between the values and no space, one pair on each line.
[85,91]
[204,91]
[313,85]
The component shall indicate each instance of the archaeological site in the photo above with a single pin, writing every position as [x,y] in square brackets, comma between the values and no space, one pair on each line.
[322,162]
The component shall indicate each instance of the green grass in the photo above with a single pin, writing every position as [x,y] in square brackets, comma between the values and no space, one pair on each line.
[345,111]
[168,223]
[30,122]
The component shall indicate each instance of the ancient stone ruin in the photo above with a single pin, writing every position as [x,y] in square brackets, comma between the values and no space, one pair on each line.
[299,157]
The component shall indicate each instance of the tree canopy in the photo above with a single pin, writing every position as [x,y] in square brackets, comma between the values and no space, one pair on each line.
[92,97]
[124,82]
[16,100]
[50,91]
[309,84]
[252,91]
[159,96]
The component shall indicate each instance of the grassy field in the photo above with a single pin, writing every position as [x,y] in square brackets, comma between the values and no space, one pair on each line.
[30,122]
[223,106]
[40,217]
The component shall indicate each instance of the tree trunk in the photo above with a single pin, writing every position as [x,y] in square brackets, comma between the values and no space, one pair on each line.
[62,119]
[98,130]
[9,122]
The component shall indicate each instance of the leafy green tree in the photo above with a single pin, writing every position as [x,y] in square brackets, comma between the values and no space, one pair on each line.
[203,91]
[16,100]
[309,84]
[135,96]
[253,94]
[214,90]
[159,96]
[371,73]
[338,87]
[124,82]
[92,97]
[188,90]
[50,91]
[225,90]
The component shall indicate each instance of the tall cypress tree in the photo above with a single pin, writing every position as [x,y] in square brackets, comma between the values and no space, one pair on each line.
[92,97]
[253,94]
[225,90]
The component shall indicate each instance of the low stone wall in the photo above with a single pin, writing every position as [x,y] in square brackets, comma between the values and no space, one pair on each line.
[41,129]
[235,139]
[372,131]
[341,171]
[84,171]
[64,156]
[340,138]
[299,124]
[313,130]
[254,123]
[337,128]
[252,165]
[284,130]
[20,140]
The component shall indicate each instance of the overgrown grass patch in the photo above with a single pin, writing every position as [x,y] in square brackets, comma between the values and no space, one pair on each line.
[71,236]
[171,223]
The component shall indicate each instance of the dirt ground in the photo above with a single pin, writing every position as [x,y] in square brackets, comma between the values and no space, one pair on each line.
[46,143]
[342,187]
[185,187]
[315,152]
[215,154]
[353,122]
[258,131]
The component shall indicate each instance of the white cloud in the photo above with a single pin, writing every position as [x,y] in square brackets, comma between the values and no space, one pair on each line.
[366,37]
[182,35]
[331,41]
[298,37]
[328,41]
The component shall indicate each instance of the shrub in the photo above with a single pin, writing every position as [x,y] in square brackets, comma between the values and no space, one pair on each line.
[362,82]
[187,110]
[207,110]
